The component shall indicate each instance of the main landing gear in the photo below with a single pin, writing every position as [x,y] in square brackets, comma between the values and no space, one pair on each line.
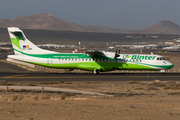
[95,72]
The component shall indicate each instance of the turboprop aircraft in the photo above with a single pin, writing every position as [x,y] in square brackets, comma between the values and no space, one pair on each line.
[95,61]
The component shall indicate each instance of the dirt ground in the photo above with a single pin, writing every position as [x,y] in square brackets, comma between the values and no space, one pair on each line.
[132,100]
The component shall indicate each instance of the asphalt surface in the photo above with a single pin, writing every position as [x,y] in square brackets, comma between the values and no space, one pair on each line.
[6,67]
[39,76]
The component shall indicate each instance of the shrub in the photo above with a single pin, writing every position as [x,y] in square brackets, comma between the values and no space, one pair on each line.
[61,81]
[63,97]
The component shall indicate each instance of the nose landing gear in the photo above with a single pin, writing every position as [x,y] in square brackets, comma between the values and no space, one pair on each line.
[162,71]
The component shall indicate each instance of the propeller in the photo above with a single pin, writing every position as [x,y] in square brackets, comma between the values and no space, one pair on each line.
[117,54]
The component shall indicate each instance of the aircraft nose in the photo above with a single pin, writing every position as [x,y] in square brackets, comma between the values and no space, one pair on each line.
[170,65]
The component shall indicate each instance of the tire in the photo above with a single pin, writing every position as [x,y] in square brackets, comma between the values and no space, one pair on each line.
[95,72]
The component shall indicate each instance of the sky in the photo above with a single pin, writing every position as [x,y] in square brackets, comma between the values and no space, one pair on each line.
[122,14]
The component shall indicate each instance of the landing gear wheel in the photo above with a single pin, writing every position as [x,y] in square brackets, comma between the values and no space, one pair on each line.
[95,72]
[162,71]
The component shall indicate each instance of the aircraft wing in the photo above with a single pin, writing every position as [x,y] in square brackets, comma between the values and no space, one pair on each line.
[95,54]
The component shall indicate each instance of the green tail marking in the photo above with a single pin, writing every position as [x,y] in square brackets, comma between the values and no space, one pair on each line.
[16,41]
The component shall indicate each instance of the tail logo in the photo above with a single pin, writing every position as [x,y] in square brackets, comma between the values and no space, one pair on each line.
[26,47]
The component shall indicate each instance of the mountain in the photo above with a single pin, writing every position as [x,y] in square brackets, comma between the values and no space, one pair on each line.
[46,21]
[43,21]
[162,27]
[3,21]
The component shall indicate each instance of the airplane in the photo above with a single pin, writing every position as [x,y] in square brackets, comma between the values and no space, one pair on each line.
[95,61]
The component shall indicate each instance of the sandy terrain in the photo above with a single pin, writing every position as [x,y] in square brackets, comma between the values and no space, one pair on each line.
[132,100]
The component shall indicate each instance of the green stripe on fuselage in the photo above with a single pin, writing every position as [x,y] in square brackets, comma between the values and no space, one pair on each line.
[64,56]
[90,66]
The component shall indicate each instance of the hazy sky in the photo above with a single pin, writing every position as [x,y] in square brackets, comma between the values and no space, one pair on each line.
[135,14]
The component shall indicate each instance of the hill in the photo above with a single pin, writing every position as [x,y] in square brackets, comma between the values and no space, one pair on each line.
[162,27]
[46,21]
[43,21]
[3,21]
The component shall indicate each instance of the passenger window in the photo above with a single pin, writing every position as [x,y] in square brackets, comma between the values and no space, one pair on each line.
[158,58]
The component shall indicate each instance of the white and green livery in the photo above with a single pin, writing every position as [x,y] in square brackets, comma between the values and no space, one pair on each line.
[95,61]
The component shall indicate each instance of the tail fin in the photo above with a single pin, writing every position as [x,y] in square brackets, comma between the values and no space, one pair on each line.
[22,45]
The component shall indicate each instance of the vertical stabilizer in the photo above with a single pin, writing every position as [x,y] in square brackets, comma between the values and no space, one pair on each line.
[22,45]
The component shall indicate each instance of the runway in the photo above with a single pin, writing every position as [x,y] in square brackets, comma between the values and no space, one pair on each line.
[43,76]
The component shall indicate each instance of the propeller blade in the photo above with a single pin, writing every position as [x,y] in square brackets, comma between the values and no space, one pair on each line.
[116,54]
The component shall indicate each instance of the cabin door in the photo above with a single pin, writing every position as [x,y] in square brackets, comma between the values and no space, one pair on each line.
[49,62]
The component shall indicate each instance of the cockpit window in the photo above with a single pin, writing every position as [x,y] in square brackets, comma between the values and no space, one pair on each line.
[161,58]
